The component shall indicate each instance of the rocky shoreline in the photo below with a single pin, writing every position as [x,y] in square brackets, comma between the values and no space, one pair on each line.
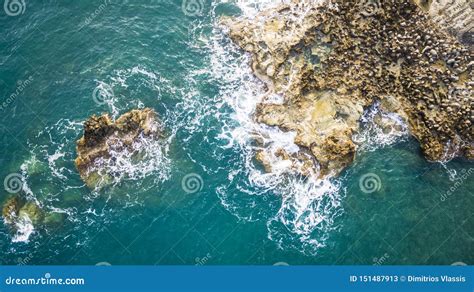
[330,62]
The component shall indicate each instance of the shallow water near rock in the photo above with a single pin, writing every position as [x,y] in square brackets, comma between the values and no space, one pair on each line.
[205,200]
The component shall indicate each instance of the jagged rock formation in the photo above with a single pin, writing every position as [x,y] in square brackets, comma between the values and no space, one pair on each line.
[331,61]
[102,136]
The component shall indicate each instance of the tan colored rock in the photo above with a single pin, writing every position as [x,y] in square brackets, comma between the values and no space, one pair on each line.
[263,158]
[11,209]
[329,62]
[102,135]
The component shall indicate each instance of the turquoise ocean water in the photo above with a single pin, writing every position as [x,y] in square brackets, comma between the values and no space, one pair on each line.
[200,198]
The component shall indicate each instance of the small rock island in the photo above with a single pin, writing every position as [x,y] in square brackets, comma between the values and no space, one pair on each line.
[103,137]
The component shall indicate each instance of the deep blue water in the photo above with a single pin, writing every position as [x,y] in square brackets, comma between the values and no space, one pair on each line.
[63,61]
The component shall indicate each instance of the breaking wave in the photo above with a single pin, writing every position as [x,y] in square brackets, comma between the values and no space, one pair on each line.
[144,157]
[303,210]
[300,211]
[380,129]
[24,228]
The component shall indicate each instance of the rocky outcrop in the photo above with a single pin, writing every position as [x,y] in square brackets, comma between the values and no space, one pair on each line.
[103,136]
[331,61]
[18,211]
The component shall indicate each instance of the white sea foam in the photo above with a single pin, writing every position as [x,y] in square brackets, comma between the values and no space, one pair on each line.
[52,150]
[146,156]
[307,206]
[380,129]
[148,77]
[24,228]
[48,155]
[123,163]
[251,8]
[51,161]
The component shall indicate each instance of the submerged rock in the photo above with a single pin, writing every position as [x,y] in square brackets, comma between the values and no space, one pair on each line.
[54,219]
[11,209]
[103,137]
[331,61]
[22,216]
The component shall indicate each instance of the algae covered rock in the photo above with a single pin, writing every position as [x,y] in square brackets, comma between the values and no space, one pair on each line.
[32,211]
[54,219]
[11,209]
[104,139]
[16,208]
[23,216]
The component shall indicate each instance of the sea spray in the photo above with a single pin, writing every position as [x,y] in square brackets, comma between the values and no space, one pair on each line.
[380,129]
[308,206]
